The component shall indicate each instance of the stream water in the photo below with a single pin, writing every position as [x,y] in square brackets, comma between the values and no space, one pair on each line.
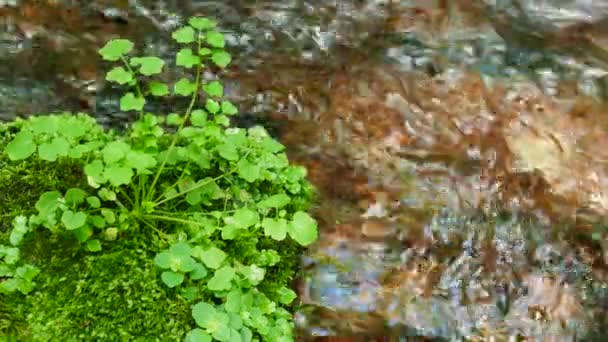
[460,147]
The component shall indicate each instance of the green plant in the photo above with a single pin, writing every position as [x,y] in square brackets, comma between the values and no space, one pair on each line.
[220,206]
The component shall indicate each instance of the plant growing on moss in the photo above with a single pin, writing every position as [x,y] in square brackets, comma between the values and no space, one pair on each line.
[220,206]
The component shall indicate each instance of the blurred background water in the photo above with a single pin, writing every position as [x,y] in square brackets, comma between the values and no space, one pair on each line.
[459,146]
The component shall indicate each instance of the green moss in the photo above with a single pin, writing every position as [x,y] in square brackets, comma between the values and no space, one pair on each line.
[114,296]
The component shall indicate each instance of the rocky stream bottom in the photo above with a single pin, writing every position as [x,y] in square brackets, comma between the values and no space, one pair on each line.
[462,183]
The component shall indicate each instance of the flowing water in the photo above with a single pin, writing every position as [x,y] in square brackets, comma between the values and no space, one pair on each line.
[459,146]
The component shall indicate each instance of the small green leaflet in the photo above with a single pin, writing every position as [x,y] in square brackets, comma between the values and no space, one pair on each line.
[115,151]
[214,89]
[228,152]
[215,39]
[184,87]
[172,279]
[118,175]
[48,202]
[275,228]
[198,117]
[199,272]
[119,75]
[116,48]
[73,220]
[148,66]
[213,257]
[286,295]
[244,218]
[198,335]
[130,102]
[186,58]
[201,23]
[74,196]
[248,170]
[274,201]
[22,146]
[20,228]
[58,147]
[106,195]
[158,88]
[94,202]
[222,279]
[174,119]
[221,58]
[93,245]
[228,108]
[184,35]
[212,106]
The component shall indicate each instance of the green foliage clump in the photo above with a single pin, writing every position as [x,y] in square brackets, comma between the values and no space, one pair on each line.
[182,227]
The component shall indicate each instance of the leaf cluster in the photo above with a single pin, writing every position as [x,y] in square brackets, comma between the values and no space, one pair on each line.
[220,207]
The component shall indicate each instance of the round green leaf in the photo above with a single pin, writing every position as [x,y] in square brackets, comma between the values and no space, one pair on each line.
[201,23]
[93,245]
[228,108]
[184,35]
[118,175]
[48,202]
[248,170]
[130,102]
[228,152]
[275,201]
[58,147]
[74,196]
[198,117]
[303,228]
[83,233]
[199,272]
[73,220]
[275,228]
[213,257]
[245,218]
[94,202]
[203,313]
[148,66]
[163,260]
[172,279]
[233,301]
[158,88]
[21,147]
[19,230]
[186,58]
[198,335]
[221,58]
[215,39]
[115,151]
[222,279]
[286,295]
[115,48]
[212,106]
[184,87]
[214,89]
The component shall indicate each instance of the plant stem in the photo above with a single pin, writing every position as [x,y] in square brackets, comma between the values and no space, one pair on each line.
[199,69]
[162,234]
[176,182]
[198,186]
[137,87]
[173,219]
